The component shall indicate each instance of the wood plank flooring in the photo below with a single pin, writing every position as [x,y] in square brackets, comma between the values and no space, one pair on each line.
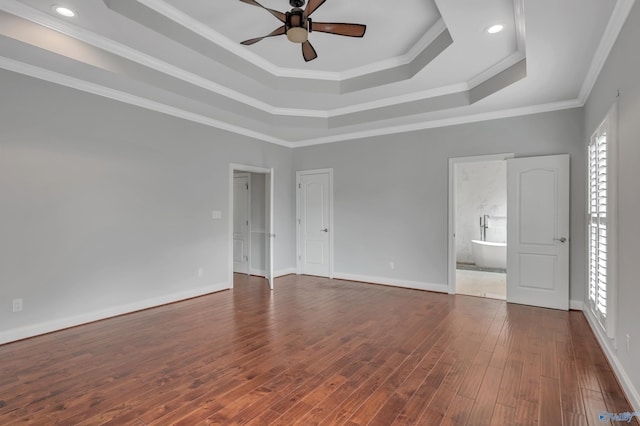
[315,352]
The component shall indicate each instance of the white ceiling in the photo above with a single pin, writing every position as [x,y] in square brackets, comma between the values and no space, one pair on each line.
[421,64]
[239,21]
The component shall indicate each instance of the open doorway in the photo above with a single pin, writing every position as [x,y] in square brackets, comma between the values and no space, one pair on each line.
[242,223]
[251,221]
[478,226]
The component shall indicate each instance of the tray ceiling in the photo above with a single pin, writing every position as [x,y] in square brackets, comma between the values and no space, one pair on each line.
[422,63]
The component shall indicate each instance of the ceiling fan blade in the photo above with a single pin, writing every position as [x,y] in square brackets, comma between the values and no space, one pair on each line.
[308,52]
[312,5]
[350,30]
[279,15]
[276,32]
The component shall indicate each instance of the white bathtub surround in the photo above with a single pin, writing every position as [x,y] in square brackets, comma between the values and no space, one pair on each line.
[488,254]
[481,189]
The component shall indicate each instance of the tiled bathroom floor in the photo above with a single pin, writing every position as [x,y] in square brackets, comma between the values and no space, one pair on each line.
[483,284]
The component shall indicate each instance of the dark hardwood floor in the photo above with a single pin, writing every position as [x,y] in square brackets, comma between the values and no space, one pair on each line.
[315,351]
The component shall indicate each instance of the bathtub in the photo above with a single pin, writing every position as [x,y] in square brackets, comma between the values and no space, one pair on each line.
[489,255]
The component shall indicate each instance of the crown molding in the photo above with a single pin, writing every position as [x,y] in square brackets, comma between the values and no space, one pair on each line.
[496,69]
[398,61]
[106,92]
[74,83]
[398,100]
[611,33]
[446,122]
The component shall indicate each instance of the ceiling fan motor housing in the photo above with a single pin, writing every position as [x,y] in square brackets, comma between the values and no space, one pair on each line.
[296,26]
[296,3]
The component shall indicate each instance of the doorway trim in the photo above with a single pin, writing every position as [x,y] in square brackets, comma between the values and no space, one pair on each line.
[299,174]
[269,213]
[451,235]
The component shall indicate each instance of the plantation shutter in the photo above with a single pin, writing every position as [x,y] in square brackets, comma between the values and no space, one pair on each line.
[598,224]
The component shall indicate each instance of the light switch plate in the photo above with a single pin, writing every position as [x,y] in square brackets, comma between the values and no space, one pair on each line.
[216,214]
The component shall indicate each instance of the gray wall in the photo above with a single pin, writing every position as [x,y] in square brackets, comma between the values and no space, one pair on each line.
[621,73]
[104,205]
[391,192]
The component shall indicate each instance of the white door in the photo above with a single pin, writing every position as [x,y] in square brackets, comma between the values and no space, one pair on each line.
[314,225]
[241,224]
[538,231]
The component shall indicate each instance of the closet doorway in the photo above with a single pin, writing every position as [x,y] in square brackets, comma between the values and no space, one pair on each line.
[251,221]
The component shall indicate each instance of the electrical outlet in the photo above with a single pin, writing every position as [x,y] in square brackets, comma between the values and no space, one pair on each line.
[628,341]
[392,265]
[200,272]
[17,305]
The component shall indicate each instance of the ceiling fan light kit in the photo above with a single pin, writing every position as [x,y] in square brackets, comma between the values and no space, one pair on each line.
[298,25]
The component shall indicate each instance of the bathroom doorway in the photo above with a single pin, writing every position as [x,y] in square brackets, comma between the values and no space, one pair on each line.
[478,225]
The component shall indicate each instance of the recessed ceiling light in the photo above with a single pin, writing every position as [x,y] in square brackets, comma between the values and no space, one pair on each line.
[494,29]
[64,11]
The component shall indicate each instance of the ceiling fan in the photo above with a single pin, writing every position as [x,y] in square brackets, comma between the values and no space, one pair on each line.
[298,25]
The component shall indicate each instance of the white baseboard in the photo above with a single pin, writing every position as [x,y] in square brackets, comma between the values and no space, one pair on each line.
[629,389]
[576,305]
[283,272]
[440,288]
[60,324]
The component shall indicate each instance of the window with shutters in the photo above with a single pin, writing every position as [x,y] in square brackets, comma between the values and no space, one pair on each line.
[601,212]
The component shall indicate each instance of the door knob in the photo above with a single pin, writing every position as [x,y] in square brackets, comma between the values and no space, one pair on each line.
[325,230]
[562,240]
